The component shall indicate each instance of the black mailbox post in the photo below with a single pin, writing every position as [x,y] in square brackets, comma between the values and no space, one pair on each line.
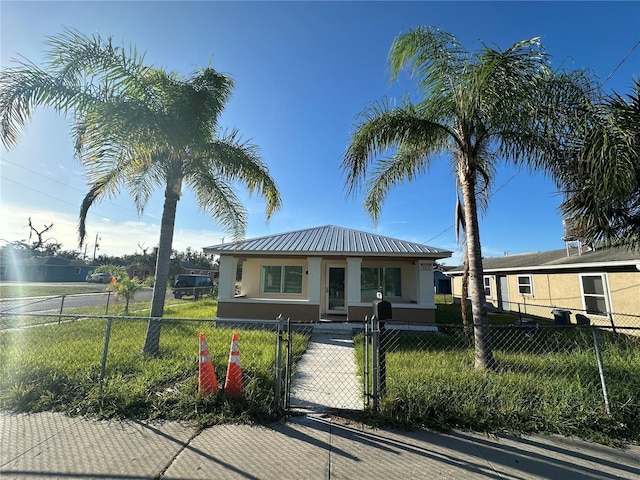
[382,311]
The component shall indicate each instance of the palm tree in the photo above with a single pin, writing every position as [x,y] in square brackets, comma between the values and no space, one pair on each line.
[140,127]
[477,107]
[602,179]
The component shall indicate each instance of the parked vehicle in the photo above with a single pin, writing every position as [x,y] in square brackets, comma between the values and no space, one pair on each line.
[192,285]
[99,278]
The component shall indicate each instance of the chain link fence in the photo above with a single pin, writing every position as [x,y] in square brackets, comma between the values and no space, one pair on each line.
[21,310]
[95,364]
[558,377]
[560,315]
[600,361]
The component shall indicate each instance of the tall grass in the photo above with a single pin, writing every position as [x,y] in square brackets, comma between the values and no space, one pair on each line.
[57,367]
[431,382]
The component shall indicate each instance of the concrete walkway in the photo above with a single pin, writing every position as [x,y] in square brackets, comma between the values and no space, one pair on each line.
[327,377]
[54,446]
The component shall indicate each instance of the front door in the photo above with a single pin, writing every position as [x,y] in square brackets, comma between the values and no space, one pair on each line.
[335,290]
[503,293]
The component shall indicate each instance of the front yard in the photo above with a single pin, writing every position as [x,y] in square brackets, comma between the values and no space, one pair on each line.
[547,382]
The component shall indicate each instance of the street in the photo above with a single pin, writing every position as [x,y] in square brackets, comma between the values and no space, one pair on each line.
[53,303]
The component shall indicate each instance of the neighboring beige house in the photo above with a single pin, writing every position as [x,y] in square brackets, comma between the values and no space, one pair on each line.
[594,282]
[326,273]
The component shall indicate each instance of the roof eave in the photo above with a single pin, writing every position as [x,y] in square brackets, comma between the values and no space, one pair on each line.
[563,266]
[258,253]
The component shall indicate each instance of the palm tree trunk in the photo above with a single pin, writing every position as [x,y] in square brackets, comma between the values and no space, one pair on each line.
[482,340]
[171,197]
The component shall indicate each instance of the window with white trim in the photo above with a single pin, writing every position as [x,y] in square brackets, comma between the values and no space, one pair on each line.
[380,279]
[594,294]
[487,286]
[281,279]
[525,285]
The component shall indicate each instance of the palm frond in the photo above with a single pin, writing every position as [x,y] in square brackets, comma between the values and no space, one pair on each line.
[234,159]
[460,223]
[602,179]
[83,59]
[218,198]
[409,162]
[382,129]
[435,57]
[24,88]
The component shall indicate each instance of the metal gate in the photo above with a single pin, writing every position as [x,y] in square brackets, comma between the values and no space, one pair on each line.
[331,374]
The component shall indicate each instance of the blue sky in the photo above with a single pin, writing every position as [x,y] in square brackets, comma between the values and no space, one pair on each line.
[303,71]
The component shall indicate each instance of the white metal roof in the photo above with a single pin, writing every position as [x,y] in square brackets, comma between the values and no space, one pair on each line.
[328,239]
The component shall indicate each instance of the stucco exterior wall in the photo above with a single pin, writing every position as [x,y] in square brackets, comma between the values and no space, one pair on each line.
[565,290]
[262,310]
[311,305]
[409,314]
[625,292]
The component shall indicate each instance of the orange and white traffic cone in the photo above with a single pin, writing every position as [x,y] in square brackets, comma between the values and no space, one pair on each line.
[233,382]
[207,381]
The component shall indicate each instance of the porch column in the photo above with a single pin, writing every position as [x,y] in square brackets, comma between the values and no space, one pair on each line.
[354,290]
[227,277]
[424,283]
[314,273]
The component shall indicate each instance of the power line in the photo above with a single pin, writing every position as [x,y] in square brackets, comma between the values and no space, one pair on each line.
[621,62]
[35,172]
[490,196]
[39,191]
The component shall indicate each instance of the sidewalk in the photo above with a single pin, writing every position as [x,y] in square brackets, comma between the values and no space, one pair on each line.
[54,446]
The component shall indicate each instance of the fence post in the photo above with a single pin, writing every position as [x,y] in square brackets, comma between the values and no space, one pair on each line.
[61,307]
[365,356]
[596,344]
[287,374]
[382,360]
[106,310]
[610,315]
[103,364]
[278,376]
[375,340]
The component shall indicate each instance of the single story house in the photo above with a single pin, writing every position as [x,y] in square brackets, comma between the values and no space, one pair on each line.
[45,269]
[193,269]
[141,272]
[441,282]
[326,272]
[602,283]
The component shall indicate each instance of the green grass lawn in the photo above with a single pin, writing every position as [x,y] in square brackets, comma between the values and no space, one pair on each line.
[555,388]
[548,383]
[19,290]
[115,308]
[57,367]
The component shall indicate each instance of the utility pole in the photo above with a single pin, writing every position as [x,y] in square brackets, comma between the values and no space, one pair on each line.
[96,246]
